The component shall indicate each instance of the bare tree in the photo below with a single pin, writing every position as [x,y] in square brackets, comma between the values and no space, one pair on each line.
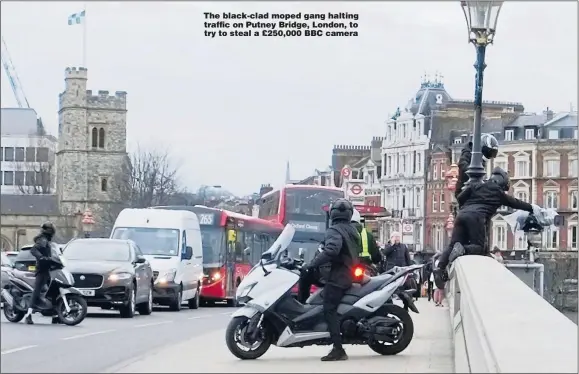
[149,178]
[35,175]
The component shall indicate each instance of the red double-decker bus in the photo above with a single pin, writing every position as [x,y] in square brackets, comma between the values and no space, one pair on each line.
[232,244]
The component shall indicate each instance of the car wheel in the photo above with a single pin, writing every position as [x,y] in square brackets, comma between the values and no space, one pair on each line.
[128,309]
[175,304]
[195,302]
[146,308]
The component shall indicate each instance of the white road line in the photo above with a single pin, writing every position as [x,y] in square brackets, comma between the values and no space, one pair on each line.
[153,324]
[13,350]
[87,335]
[197,317]
[227,313]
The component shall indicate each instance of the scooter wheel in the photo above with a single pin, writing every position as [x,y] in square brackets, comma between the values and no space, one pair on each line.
[76,302]
[234,338]
[11,314]
[402,343]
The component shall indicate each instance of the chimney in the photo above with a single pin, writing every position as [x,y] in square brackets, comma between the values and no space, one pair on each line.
[548,114]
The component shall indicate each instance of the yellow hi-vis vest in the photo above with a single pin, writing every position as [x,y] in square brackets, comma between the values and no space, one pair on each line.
[364,235]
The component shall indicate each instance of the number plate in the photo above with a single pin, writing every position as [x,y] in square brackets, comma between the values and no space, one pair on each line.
[87,292]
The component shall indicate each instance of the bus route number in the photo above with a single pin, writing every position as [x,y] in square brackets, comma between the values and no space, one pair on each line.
[206,219]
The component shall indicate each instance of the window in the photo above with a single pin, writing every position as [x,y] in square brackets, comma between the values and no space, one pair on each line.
[435,171]
[551,168]
[501,164]
[529,134]
[441,201]
[8,154]
[434,202]
[94,137]
[575,134]
[553,134]
[403,164]
[418,198]
[574,200]
[573,168]
[1,153]
[42,154]
[573,236]
[404,131]
[403,198]
[418,162]
[30,178]
[41,178]
[509,135]
[439,238]
[101,138]
[500,237]
[390,171]
[552,238]
[522,195]
[104,184]
[8,178]
[442,176]
[520,240]
[551,200]
[521,168]
[30,154]
[19,178]
[19,154]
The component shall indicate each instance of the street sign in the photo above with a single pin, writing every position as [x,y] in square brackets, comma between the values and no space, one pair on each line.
[356,189]
[346,172]
[407,228]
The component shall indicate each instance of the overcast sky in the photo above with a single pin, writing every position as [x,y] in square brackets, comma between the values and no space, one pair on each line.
[233,110]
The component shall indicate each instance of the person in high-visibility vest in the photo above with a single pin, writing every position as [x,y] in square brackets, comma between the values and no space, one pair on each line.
[370,253]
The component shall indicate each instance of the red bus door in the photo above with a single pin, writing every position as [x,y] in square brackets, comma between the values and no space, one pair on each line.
[230,264]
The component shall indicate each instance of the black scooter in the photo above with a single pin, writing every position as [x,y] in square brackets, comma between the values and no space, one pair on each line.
[59,298]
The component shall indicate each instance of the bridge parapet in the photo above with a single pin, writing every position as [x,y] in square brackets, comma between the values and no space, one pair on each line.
[500,325]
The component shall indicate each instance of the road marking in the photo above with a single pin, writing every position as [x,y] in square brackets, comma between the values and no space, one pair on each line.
[87,335]
[197,317]
[227,313]
[13,350]
[153,324]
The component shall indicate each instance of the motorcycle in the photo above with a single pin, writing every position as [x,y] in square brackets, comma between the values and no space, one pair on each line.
[272,316]
[59,297]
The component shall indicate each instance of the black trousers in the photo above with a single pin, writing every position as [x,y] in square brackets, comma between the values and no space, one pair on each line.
[430,290]
[307,280]
[332,297]
[39,281]
[470,230]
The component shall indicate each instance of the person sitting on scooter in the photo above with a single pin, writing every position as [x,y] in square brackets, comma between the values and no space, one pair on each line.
[341,247]
[370,251]
[479,203]
[42,251]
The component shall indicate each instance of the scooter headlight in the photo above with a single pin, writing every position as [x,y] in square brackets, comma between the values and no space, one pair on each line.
[243,293]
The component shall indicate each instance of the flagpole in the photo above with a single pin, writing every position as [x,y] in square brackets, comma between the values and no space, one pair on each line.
[84,29]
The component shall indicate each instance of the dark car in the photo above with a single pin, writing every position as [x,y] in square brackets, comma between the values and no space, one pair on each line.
[111,273]
[6,267]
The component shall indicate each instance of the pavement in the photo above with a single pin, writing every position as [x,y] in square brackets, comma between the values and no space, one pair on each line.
[103,340]
[205,352]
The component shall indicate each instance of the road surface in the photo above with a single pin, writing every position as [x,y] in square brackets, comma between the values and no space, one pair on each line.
[101,341]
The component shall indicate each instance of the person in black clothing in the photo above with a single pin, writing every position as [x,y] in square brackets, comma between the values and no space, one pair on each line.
[42,251]
[479,203]
[396,253]
[426,273]
[340,254]
[371,254]
[308,278]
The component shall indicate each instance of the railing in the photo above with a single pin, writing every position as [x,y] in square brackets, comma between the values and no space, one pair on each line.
[502,326]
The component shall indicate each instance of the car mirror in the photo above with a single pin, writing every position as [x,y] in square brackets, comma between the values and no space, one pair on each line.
[140,260]
[188,253]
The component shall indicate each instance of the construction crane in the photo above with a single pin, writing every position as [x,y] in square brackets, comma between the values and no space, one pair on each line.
[13,77]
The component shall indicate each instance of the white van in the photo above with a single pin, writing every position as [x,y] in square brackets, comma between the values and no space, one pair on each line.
[171,241]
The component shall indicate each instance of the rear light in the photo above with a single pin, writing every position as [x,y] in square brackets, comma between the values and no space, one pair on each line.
[358,271]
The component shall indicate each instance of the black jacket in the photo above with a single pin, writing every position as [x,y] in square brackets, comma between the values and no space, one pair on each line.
[40,249]
[463,164]
[397,255]
[485,198]
[341,247]
[373,248]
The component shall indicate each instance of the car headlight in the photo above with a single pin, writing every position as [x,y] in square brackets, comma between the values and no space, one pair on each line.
[119,276]
[169,276]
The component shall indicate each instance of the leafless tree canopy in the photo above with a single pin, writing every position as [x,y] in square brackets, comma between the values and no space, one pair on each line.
[149,178]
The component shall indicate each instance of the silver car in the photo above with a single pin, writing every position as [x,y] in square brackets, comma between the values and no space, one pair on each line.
[6,267]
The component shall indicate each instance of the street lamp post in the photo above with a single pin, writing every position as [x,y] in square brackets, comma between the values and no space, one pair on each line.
[87,223]
[481,20]
[451,181]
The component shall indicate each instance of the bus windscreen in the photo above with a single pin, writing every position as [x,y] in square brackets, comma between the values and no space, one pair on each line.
[213,242]
[304,204]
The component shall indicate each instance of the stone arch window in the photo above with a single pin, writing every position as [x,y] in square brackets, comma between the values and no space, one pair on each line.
[5,244]
[104,184]
[101,138]
[94,137]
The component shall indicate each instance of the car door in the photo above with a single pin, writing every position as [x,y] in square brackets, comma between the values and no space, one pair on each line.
[138,273]
[185,265]
[145,274]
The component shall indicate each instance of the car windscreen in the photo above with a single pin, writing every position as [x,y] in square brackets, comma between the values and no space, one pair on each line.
[97,250]
[151,241]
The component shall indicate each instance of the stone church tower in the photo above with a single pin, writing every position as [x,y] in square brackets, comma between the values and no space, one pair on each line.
[92,150]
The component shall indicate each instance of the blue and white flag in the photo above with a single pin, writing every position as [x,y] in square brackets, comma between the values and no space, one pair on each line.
[76,18]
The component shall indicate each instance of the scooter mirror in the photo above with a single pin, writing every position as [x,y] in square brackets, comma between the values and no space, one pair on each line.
[301,253]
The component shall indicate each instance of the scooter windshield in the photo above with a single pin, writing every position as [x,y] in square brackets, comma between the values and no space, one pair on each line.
[282,243]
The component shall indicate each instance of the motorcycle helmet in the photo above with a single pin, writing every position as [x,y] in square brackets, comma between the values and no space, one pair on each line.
[47,229]
[356,217]
[489,146]
[341,210]
[501,177]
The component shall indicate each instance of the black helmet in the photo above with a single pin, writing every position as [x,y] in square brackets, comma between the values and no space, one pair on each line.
[501,177]
[47,229]
[489,146]
[341,210]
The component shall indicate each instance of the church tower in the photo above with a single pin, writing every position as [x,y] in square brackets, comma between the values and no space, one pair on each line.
[92,152]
